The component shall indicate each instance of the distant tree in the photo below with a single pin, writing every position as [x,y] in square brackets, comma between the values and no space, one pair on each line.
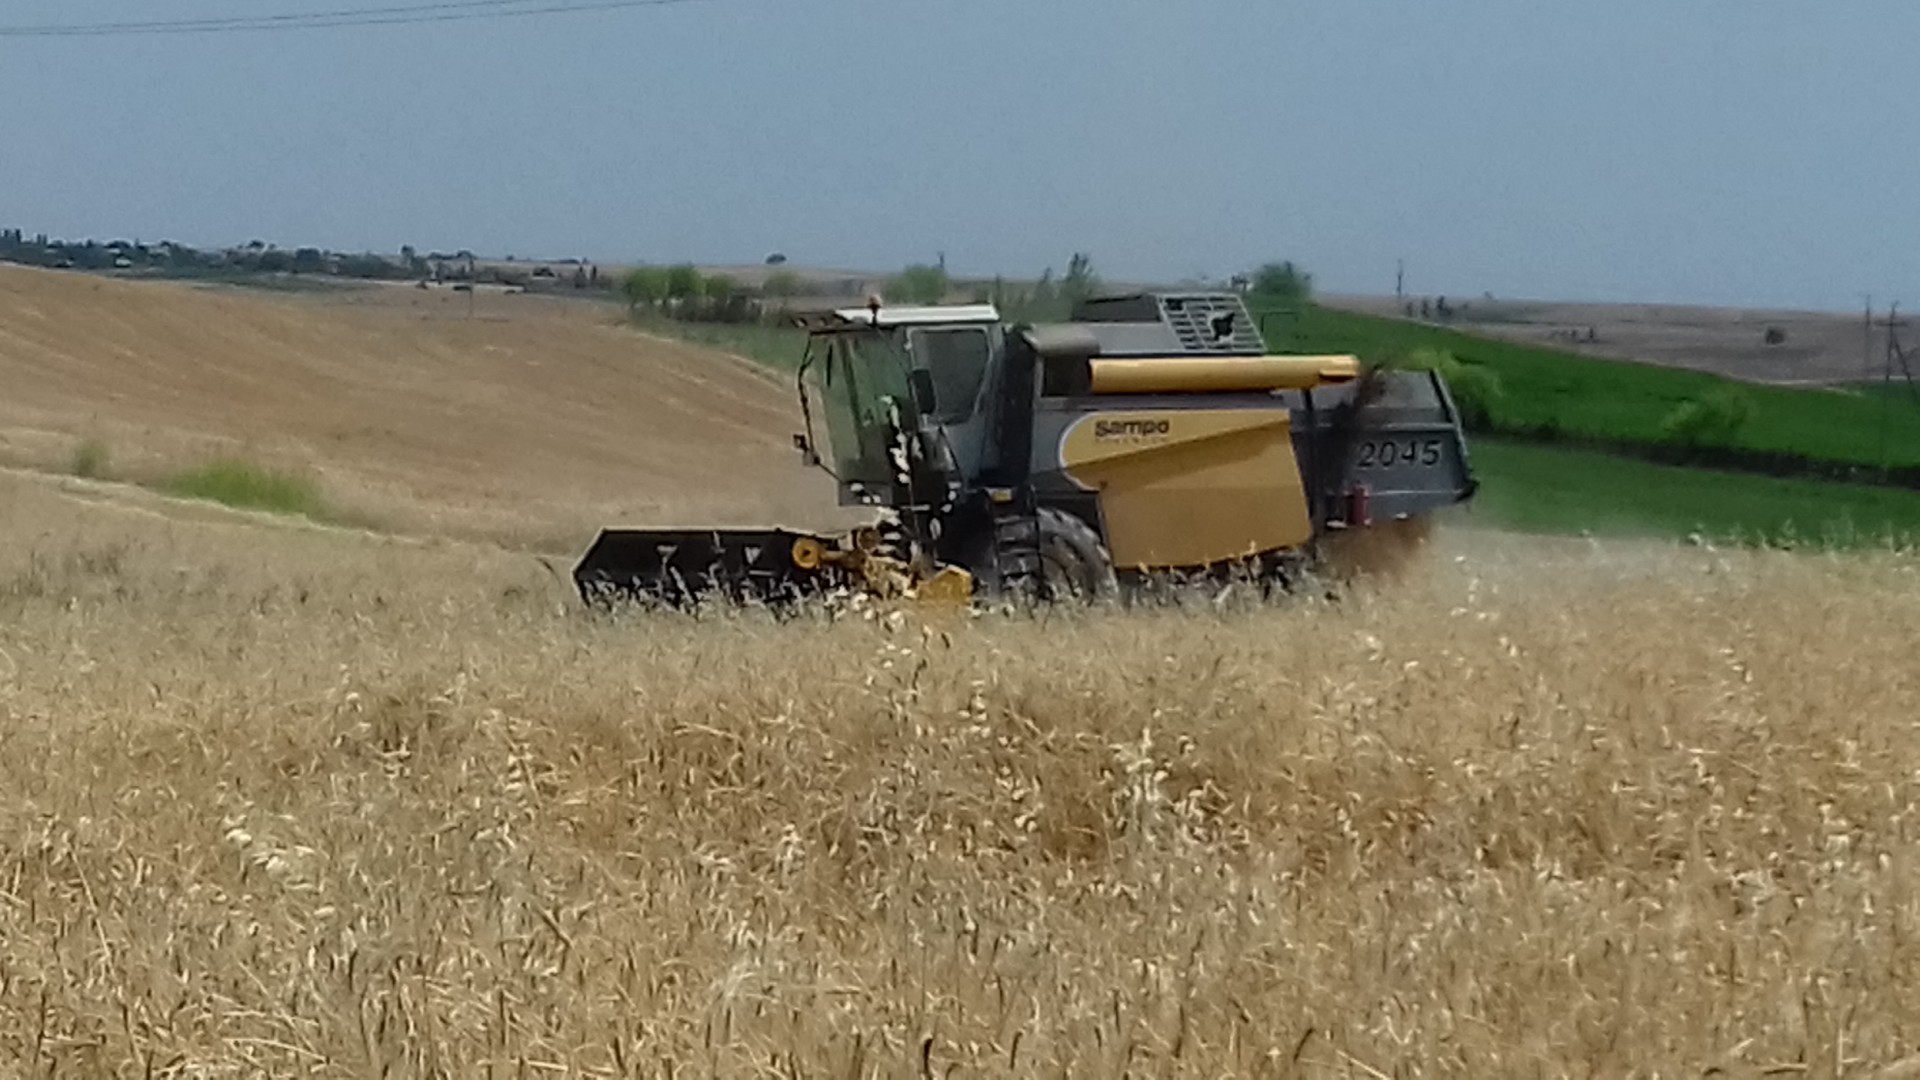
[725,300]
[1043,300]
[644,286]
[273,261]
[682,282]
[371,266]
[1283,281]
[776,259]
[920,284]
[308,260]
[1080,282]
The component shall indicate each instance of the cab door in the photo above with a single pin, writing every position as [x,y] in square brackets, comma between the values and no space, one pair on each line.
[960,361]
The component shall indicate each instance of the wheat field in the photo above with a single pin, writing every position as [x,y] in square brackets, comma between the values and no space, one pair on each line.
[278,800]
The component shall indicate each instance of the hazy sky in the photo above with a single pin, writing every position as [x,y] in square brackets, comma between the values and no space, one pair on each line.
[1739,151]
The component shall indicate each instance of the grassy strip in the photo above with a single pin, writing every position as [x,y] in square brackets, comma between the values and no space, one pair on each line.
[246,486]
[1549,489]
[1547,390]
[1896,390]
[777,347]
[90,460]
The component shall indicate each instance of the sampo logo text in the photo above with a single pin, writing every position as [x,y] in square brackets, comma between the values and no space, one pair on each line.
[1131,429]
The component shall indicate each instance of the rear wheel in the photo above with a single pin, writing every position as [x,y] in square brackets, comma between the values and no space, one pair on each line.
[1074,563]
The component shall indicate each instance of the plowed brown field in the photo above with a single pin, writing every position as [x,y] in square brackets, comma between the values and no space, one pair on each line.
[516,417]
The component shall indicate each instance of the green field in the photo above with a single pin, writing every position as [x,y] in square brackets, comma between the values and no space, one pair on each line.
[1624,401]
[1535,488]
[1541,388]
[1899,391]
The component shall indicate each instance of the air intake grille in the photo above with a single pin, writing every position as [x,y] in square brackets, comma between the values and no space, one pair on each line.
[1211,323]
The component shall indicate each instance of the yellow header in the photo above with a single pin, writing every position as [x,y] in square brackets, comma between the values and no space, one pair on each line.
[1221,374]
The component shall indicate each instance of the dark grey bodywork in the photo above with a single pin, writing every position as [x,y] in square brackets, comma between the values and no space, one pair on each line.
[1403,445]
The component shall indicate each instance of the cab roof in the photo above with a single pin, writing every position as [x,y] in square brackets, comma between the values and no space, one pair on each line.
[921,315]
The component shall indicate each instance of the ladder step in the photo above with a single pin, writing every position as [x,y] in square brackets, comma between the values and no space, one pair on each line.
[1016,543]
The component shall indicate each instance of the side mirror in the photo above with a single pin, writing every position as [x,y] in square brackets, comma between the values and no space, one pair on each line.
[920,382]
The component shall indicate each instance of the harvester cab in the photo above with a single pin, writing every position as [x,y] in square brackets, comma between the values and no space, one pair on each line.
[1152,434]
[896,394]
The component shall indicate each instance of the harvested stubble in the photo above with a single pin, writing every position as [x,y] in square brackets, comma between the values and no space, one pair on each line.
[340,808]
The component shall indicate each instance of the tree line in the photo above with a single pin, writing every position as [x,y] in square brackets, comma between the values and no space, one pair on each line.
[683,292]
[679,291]
[174,259]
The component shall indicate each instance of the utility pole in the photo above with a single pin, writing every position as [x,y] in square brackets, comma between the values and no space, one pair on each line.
[1400,281]
[1866,342]
[1886,380]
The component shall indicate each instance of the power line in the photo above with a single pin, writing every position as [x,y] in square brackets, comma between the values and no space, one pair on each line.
[184,25]
[397,15]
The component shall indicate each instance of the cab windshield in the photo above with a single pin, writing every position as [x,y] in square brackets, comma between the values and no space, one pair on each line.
[856,376]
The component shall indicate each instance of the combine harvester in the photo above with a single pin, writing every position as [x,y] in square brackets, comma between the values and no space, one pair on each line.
[1151,437]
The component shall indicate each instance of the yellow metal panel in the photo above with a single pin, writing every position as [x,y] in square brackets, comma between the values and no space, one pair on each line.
[1220,374]
[949,586]
[1191,488]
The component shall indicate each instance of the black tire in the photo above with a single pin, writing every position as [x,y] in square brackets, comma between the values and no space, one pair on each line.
[1074,562]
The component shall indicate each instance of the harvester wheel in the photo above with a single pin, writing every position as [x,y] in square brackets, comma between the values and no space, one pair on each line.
[1074,563]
